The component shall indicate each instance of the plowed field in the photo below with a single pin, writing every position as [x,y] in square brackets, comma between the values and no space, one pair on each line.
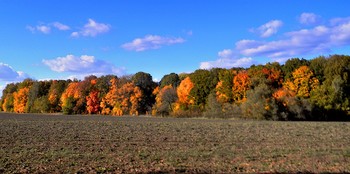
[103,144]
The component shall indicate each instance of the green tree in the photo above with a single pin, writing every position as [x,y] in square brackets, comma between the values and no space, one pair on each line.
[260,104]
[291,65]
[68,106]
[318,66]
[204,82]
[170,79]
[333,96]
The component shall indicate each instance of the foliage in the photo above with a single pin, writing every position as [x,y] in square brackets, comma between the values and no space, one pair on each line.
[204,83]
[317,89]
[145,83]
[224,86]
[291,65]
[259,104]
[165,99]
[302,82]
[170,79]
[183,93]
[241,84]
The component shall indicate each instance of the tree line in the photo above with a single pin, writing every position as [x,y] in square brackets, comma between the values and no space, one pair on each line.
[316,89]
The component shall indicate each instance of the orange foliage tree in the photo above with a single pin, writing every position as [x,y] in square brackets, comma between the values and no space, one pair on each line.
[20,99]
[183,93]
[165,98]
[122,100]
[72,94]
[109,100]
[92,102]
[241,84]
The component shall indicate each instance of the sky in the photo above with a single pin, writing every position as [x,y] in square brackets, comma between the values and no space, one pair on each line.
[61,39]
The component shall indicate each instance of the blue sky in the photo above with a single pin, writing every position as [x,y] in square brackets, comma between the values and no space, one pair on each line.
[60,39]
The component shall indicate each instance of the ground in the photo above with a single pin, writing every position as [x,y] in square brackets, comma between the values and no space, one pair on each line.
[104,144]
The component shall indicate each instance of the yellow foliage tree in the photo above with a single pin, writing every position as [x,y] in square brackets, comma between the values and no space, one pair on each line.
[303,82]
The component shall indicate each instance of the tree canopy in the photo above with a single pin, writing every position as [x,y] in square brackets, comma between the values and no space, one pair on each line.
[316,89]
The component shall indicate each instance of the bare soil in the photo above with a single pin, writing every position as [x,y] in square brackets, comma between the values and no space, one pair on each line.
[32,143]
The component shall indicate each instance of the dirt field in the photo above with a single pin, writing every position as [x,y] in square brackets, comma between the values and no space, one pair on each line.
[103,144]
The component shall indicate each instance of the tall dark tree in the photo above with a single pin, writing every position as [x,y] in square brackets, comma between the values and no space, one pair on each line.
[145,82]
[318,66]
[204,82]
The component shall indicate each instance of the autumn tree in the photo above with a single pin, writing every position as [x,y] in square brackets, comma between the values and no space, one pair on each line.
[224,86]
[291,65]
[183,93]
[54,95]
[302,83]
[291,107]
[241,84]
[165,98]
[7,97]
[130,97]
[103,84]
[20,99]
[121,100]
[92,102]
[109,100]
[70,98]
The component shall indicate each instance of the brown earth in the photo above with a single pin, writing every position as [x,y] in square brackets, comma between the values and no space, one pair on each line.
[102,144]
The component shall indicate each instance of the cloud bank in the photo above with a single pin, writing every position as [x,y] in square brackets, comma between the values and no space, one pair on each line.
[84,64]
[151,42]
[320,39]
[8,74]
[309,18]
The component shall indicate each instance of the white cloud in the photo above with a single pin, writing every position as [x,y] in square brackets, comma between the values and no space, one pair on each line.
[46,28]
[309,18]
[82,65]
[151,42]
[227,60]
[8,74]
[227,63]
[43,28]
[225,53]
[320,39]
[269,28]
[92,28]
[60,26]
